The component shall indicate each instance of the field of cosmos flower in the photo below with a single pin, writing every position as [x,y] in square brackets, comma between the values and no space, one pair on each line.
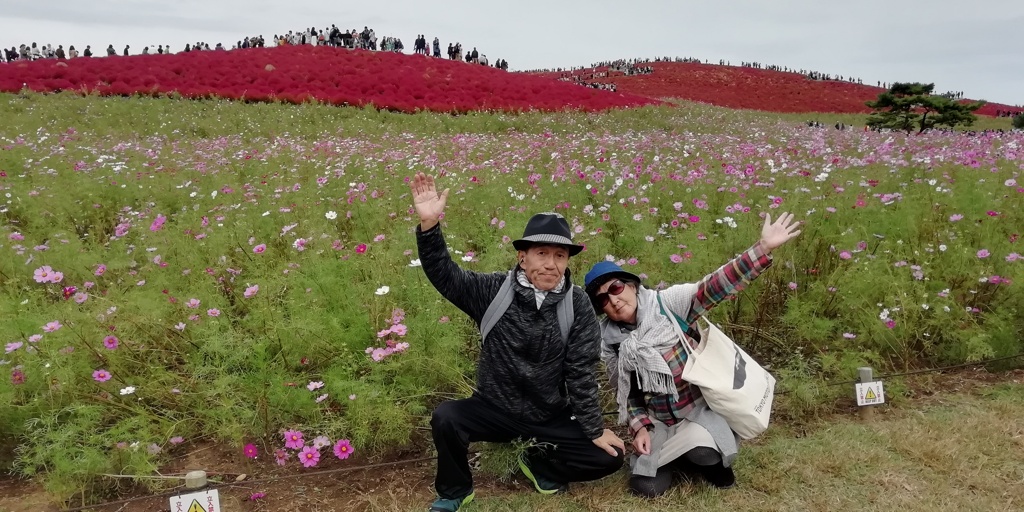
[177,271]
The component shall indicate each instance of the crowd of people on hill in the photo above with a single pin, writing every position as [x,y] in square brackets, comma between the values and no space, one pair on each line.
[365,39]
[1010,113]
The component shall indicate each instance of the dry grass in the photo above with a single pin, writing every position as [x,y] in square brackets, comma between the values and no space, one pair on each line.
[960,452]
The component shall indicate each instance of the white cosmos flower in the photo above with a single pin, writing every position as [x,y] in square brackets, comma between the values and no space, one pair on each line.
[383,290]
[331,215]
[128,390]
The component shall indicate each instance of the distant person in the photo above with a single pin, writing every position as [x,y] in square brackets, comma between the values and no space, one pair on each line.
[145,50]
[87,52]
[437,47]
[160,50]
[111,52]
[126,50]
[60,52]
[72,52]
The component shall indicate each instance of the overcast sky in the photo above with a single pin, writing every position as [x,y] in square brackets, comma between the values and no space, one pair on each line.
[960,46]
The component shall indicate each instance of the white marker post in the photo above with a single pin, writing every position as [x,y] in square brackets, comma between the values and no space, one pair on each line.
[869,393]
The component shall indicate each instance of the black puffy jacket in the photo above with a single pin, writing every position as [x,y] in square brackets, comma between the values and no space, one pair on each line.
[525,369]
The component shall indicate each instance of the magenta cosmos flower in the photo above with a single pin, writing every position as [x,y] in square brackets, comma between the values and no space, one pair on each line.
[361,248]
[110,342]
[251,291]
[293,439]
[309,456]
[251,451]
[101,375]
[52,326]
[343,448]
[259,249]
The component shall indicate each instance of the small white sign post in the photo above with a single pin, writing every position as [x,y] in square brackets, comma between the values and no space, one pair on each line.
[202,501]
[869,393]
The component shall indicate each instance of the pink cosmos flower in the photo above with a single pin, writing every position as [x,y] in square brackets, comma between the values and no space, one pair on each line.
[256,496]
[176,440]
[1012,257]
[16,236]
[250,292]
[792,285]
[293,439]
[11,347]
[17,376]
[281,457]
[35,338]
[100,269]
[321,442]
[955,217]
[81,297]
[251,451]
[314,385]
[101,375]
[675,258]
[158,223]
[259,249]
[43,274]
[300,244]
[343,449]
[213,312]
[982,254]
[110,342]
[361,248]
[890,323]
[192,303]
[845,255]
[52,326]
[399,329]
[309,456]
[849,335]
[321,398]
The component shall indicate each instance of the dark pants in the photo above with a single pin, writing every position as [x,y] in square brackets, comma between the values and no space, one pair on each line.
[572,458]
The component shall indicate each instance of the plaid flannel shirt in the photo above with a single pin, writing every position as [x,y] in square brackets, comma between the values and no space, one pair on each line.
[725,282]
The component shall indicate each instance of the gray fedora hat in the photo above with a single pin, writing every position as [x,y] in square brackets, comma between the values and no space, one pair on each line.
[547,228]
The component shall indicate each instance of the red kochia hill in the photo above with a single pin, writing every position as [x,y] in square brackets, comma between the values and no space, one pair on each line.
[747,88]
[391,81]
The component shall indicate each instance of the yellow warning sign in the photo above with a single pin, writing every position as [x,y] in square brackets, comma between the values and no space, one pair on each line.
[870,395]
[196,507]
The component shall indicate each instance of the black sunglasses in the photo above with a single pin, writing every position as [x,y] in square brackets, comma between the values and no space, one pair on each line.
[614,289]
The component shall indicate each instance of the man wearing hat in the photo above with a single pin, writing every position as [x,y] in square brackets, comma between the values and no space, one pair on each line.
[533,381]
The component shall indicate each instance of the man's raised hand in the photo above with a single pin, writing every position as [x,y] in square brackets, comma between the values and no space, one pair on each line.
[429,204]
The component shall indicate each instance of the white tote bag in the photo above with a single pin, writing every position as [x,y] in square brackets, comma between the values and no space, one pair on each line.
[733,384]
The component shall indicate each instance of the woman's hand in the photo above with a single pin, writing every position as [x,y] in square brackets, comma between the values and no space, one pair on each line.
[642,442]
[775,234]
[429,204]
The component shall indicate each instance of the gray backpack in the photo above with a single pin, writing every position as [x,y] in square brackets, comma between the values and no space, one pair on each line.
[501,302]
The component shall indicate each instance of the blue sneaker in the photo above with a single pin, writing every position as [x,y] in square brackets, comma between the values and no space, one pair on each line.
[446,505]
[543,485]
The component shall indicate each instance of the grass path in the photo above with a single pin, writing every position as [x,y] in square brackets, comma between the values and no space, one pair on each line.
[961,452]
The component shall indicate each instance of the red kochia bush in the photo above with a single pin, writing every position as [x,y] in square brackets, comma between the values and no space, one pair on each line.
[748,88]
[296,74]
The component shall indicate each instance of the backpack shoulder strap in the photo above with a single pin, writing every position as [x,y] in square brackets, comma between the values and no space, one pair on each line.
[498,306]
[566,314]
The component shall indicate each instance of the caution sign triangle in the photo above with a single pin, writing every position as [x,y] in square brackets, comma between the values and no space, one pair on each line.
[870,395]
[196,507]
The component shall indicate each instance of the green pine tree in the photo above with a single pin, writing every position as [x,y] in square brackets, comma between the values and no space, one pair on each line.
[910,106]
[1018,121]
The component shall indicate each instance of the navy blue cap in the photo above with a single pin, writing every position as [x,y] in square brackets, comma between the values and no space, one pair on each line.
[601,272]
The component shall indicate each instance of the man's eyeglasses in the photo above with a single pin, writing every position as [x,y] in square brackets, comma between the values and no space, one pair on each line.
[613,289]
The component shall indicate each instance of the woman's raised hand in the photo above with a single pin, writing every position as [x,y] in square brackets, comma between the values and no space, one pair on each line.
[775,234]
[428,203]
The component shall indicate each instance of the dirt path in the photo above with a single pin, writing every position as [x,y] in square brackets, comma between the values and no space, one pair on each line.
[377,484]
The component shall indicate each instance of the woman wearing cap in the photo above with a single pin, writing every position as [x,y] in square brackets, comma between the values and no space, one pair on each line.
[672,425]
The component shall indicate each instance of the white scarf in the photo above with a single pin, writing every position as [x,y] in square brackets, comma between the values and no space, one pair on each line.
[539,294]
[640,350]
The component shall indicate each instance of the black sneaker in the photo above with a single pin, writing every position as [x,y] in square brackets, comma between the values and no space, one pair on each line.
[719,476]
